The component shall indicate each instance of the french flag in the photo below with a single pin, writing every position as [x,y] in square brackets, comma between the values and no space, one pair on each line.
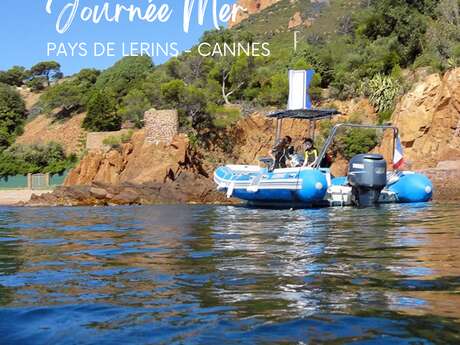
[398,156]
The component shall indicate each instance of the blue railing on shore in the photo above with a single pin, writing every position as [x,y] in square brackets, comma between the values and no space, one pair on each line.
[14,182]
[33,181]
[58,179]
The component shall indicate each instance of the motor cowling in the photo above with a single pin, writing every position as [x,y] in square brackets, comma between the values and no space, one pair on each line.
[367,175]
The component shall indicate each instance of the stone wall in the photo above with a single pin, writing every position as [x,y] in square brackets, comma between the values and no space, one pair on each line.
[160,126]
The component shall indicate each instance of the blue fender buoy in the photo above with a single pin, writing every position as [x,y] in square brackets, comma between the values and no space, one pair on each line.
[413,188]
[314,185]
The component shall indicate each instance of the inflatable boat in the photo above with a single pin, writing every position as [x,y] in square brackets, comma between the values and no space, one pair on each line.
[309,187]
[367,182]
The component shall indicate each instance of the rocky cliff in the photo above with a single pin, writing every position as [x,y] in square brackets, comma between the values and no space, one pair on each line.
[137,162]
[137,172]
[428,117]
[250,7]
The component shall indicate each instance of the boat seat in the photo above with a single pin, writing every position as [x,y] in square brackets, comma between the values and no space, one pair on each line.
[268,161]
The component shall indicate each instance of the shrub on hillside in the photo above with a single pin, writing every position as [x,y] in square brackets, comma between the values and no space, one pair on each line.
[71,96]
[36,84]
[399,19]
[190,102]
[222,116]
[115,141]
[15,76]
[355,141]
[24,159]
[125,75]
[382,91]
[87,76]
[68,96]
[102,115]
[12,115]
[275,90]
[133,107]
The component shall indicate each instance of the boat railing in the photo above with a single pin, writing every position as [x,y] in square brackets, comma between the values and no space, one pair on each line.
[334,130]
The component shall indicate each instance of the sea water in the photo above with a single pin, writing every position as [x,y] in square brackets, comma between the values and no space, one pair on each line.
[230,275]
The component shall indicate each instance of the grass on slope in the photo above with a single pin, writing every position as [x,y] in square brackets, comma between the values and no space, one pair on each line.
[271,24]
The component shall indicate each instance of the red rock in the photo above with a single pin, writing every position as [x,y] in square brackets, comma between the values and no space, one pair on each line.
[252,7]
[98,193]
[428,117]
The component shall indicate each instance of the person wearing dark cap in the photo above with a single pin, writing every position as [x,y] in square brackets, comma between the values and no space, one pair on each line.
[281,152]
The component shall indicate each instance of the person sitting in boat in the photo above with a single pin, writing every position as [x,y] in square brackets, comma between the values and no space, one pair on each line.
[281,152]
[311,153]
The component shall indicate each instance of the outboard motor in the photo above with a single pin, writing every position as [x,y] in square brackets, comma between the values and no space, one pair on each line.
[367,175]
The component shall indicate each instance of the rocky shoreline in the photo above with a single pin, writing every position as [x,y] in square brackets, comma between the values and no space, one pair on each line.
[445,178]
[192,189]
[186,189]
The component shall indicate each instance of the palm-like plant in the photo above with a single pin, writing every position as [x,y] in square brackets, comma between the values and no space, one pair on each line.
[382,91]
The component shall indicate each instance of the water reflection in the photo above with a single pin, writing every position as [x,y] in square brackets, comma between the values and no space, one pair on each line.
[170,274]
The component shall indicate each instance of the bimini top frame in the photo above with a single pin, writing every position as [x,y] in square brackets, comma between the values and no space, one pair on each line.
[334,130]
[302,114]
[305,114]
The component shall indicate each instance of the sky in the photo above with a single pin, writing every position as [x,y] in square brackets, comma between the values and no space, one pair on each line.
[28,33]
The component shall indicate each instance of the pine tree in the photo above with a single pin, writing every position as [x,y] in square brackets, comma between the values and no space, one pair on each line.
[102,115]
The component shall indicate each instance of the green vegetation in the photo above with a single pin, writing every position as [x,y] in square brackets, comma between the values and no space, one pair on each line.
[223,117]
[133,106]
[22,159]
[70,96]
[125,75]
[49,70]
[382,92]
[189,100]
[12,115]
[349,141]
[102,114]
[355,141]
[109,97]
[350,42]
[356,47]
[36,84]
[37,78]
[115,141]
[15,76]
